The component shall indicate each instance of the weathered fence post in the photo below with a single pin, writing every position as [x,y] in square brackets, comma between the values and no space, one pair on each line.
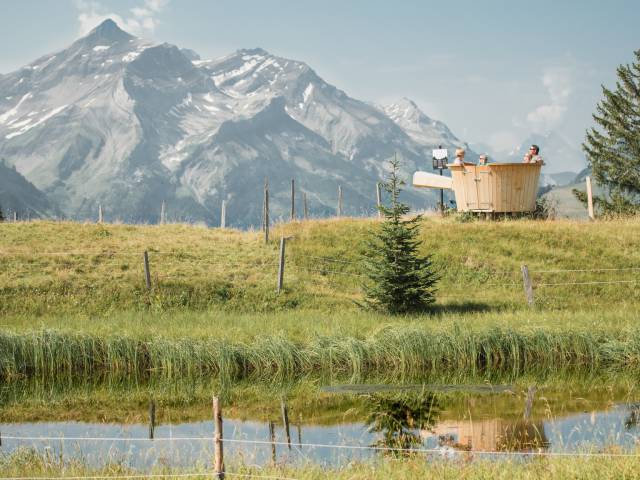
[304,205]
[152,419]
[378,199]
[339,200]
[293,200]
[100,218]
[272,437]
[265,211]
[223,214]
[147,271]
[281,264]
[590,199]
[218,447]
[528,287]
[15,216]
[285,421]
[528,403]
[163,214]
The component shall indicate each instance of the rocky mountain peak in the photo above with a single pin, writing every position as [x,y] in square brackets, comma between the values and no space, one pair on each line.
[107,33]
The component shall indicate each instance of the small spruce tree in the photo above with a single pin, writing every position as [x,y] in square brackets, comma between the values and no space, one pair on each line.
[1,215]
[613,148]
[399,279]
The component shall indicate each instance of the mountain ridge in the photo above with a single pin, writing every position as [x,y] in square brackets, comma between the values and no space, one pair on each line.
[117,121]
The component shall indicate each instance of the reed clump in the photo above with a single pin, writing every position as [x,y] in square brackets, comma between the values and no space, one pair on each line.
[403,352]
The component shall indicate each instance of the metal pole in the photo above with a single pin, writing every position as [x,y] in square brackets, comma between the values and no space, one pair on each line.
[441,197]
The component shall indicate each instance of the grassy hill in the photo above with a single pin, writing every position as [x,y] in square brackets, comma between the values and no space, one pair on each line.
[69,274]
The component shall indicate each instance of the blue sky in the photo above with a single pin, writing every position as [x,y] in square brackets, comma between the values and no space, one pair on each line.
[494,71]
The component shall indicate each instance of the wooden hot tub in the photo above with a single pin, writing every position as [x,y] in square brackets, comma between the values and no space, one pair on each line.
[492,188]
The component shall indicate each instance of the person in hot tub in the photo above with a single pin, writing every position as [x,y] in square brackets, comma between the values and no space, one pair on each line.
[533,155]
[459,156]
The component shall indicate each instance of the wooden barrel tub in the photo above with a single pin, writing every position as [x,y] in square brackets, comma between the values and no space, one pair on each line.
[492,188]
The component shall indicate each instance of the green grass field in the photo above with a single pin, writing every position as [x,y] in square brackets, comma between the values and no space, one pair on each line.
[69,288]
[599,467]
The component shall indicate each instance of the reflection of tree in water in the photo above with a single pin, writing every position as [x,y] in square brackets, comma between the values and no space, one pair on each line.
[400,417]
[633,420]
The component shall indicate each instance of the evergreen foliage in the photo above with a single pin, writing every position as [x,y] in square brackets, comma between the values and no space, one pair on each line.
[613,148]
[400,280]
[1,215]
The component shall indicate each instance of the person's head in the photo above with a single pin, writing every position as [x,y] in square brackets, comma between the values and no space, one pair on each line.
[483,159]
[534,149]
[459,152]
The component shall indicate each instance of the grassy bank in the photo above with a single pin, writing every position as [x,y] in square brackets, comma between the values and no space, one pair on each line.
[402,352]
[29,464]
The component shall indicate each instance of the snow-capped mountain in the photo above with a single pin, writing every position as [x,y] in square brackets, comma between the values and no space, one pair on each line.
[420,128]
[115,120]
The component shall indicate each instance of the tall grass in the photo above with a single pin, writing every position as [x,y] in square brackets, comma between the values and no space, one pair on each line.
[399,351]
[29,463]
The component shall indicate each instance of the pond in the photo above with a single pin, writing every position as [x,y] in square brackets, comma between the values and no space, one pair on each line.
[350,422]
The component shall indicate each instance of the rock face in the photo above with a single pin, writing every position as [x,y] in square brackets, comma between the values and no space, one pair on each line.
[19,196]
[117,121]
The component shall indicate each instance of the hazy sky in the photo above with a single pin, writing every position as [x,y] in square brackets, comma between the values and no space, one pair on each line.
[494,71]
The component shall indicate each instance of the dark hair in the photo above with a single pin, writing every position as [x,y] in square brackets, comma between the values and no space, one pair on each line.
[537,148]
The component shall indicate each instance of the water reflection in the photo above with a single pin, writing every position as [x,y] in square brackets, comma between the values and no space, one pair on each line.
[400,418]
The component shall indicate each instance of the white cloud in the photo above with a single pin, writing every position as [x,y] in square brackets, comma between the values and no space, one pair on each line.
[558,83]
[140,20]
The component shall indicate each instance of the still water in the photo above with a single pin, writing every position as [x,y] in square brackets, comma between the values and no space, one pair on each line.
[479,425]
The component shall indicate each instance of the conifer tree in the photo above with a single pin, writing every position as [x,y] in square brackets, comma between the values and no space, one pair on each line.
[1,215]
[399,279]
[613,147]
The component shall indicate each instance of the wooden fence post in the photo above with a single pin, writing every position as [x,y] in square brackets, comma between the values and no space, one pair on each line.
[285,421]
[304,205]
[147,271]
[218,447]
[223,214]
[15,216]
[293,200]
[339,200]
[281,264]
[152,419]
[265,211]
[163,214]
[378,199]
[590,199]
[100,218]
[528,287]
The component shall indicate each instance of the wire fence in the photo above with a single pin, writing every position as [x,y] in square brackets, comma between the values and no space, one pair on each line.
[298,262]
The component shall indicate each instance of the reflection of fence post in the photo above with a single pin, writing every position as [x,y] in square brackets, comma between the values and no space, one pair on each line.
[528,287]
[378,199]
[218,447]
[590,199]
[528,403]
[285,421]
[281,264]
[223,214]
[152,419]
[147,271]
[272,437]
